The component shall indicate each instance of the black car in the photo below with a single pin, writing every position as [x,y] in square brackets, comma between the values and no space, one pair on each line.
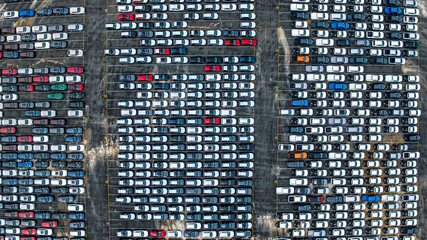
[360,60]
[394,35]
[44,12]
[378,60]
[303,41]
[393,3]
[146,25]
[58,70]
[320,25]
[197,60]
[127,78]
[320,59]
[410,44]
[214,60]
[299,16]
[393,19]
[356,17]
[42,88]
[344,42]
[230,33]
[145,34]
[75,95]
[60,11]
[144,51]
[58,44]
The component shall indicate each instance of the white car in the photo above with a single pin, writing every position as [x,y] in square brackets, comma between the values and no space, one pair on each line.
[75,53]
[11,14]
[77,10]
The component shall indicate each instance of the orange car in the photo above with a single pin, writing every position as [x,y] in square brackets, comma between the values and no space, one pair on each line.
[300,59]
[297,155]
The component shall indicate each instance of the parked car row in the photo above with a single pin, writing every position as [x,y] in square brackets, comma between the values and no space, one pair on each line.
[41,130]
[348,177]
[185,137]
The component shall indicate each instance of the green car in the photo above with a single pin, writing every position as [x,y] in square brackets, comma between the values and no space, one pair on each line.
[55,96]
[58,87]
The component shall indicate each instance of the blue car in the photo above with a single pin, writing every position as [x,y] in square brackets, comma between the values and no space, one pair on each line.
[26,13]
[33,113]
[76,173]
[73,139]
[58,156]
[340,25]
[45,199]
[299,103]
[393,10]
[164,86]
[25,164]
[76,216]
[43,215]
[370,198]
[337,86]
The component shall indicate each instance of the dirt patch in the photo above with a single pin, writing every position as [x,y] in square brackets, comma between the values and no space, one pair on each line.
[282,40]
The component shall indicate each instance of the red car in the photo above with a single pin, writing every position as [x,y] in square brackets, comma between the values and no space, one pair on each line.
[145,78]
[27,54]
[232,42]
[75,70]
[211,120]
[1,55]
[139,1]
[162,51]
[249,42]
[26,88]
[49,224]
[25,139]
[28,238]
[75,87]
[12,71]
[26,214]
[126,17]
[157,233]
[57,121]
[30,231]
[43,79]
[212,68]
[7,130]
[25,79]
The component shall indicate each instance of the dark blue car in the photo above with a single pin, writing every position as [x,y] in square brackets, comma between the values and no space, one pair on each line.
[299,103]
[73,139]
[25,156]
[9,156]
[76,216]
[337,86]
[26,13]
[58,156]
[177,121]
[340,25]
[393,10]
[247,59]
[370,198]
[25,164]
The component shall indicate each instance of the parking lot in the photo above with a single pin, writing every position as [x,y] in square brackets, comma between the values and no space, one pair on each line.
[42,111]
[351,119]
[144,104]
[183,117]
